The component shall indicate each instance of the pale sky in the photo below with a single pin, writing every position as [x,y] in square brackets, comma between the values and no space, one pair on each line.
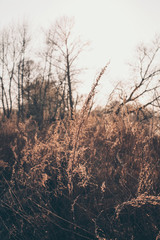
[114,27]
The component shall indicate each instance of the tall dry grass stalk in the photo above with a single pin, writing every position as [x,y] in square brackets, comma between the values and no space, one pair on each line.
[82,118]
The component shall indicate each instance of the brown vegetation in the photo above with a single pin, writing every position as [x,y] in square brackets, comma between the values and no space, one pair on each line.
[67,174]
[94,177]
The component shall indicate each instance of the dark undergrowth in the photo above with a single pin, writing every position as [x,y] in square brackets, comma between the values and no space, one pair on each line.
[94,177]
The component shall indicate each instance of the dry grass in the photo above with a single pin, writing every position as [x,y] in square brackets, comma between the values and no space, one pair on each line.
[92,177]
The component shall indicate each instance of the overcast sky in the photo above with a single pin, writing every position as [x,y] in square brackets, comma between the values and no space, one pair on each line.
[114,27]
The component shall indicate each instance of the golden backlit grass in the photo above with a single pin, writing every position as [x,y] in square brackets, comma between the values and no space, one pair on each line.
[80,178]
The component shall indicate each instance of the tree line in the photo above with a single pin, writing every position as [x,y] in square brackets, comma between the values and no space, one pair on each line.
[41,86]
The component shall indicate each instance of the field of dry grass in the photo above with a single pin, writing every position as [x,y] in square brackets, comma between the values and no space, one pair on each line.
[94,177]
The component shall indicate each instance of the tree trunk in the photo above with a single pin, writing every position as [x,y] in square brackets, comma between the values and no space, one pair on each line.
[19,94]
[69,87]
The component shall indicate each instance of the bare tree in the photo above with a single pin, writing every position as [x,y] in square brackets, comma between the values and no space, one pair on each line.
[43,82]
[67,50]
[147,79]
[8,57]
[13,46]
[23,65]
